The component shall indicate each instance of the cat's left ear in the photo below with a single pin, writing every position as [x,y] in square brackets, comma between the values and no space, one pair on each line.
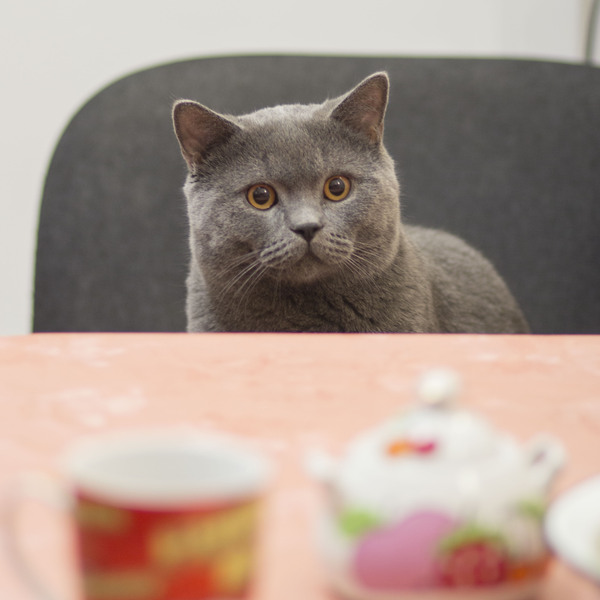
[198,130]
[363,108]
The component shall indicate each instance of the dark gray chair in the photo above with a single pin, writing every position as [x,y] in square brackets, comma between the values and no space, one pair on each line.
[505,153]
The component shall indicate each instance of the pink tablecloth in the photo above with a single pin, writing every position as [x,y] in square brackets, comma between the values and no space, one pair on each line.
[286,394]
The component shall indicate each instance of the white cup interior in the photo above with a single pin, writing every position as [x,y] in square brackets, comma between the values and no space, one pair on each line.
[166,469]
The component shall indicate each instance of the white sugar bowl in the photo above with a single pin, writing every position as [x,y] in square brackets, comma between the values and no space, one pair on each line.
[436,504]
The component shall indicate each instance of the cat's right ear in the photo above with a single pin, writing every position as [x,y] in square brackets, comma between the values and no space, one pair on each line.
[198,130]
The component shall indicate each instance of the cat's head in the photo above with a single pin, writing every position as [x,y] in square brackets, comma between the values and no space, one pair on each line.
[298,193]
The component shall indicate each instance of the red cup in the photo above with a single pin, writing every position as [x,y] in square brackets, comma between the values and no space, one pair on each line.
[162,516]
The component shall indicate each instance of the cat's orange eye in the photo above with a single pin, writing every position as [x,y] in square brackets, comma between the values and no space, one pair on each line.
[261,196]
[337,188]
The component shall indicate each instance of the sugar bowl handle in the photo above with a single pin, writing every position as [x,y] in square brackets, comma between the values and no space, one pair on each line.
[544,456]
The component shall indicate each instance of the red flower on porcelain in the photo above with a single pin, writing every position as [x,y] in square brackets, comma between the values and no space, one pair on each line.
[474,564]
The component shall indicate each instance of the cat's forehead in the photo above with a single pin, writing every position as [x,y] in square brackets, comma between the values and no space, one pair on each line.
[292,143]
[282,114]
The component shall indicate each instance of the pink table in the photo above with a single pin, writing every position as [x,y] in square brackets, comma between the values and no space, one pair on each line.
[285,393]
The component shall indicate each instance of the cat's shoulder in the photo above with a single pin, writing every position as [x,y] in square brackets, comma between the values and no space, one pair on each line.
[427,238]
[448,252]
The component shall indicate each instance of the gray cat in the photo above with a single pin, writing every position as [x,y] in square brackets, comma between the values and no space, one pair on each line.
[295,225]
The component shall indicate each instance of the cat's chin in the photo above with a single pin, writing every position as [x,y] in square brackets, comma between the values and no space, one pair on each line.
[309,269]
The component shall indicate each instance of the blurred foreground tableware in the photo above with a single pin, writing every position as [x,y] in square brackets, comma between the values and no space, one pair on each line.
[573,528]
[162,515]
[436,503]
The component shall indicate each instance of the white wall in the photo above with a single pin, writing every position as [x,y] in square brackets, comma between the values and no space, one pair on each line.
[56,54]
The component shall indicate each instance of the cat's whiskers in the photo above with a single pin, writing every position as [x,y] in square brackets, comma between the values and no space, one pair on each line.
[366,249]
[276,254]
[249,257]
[277,292]
[359,262]
[249,269]
[248,284]
[238,288]
[358,267]
[243,275]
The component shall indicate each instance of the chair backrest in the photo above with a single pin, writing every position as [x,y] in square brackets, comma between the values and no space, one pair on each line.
[505,153]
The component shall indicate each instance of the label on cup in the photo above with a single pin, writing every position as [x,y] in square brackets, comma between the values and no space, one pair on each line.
[184,554]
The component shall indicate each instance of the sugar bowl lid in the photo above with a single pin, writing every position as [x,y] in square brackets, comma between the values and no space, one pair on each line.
[436,427]
[440,425]
[435,444]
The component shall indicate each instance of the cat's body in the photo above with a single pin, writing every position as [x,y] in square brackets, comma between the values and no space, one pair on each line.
[295,226]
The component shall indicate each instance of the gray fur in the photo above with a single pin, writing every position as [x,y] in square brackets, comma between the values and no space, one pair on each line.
[363,271]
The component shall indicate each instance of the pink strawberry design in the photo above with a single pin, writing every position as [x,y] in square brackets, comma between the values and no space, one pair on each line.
[403,556]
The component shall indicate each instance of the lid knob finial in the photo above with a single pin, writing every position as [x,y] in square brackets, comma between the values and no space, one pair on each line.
[439,388]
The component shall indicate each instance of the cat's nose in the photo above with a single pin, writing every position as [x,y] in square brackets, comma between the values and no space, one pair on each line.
[307,230]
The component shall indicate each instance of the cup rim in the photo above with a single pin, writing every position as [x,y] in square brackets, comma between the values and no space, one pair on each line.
[249,480]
